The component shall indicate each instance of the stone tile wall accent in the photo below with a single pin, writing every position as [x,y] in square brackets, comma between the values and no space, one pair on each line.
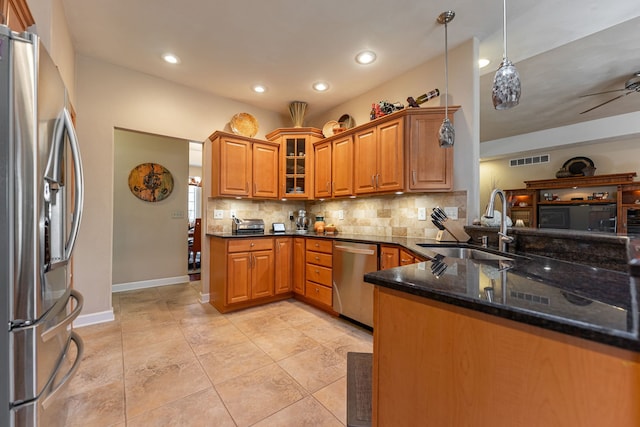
[392,215]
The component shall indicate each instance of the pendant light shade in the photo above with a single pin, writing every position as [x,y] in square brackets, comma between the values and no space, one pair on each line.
[506,83]
[446,134]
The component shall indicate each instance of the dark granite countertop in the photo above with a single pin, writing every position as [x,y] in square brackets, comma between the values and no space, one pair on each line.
[592,303]
[576,299]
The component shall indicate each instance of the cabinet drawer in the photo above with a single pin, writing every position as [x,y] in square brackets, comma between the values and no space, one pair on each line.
[319,274]
[319,258]
[320,245]
[244,245]
[319,293]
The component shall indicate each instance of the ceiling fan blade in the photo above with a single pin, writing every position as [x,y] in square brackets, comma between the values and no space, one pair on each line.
[600,93]
[606,102]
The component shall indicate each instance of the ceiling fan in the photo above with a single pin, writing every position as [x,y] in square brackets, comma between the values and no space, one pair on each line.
[630,86]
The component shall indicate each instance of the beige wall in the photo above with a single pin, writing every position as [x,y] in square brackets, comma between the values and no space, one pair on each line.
[51,27]
[112,97]
[608,157]
[149,244]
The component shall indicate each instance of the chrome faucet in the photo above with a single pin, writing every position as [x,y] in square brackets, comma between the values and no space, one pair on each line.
[503,239]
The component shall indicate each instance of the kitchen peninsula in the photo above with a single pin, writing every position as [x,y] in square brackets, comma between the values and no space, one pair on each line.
[527,342]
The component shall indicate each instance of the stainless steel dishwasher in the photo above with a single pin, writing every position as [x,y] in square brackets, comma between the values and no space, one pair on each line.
[352,297]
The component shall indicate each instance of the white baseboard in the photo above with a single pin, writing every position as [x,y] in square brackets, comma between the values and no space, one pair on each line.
[94,318]
[204,298]
[121,287]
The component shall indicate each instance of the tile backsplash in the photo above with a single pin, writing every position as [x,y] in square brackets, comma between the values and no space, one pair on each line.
[392,215]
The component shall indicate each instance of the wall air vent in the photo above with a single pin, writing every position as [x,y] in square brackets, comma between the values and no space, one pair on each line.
[526,161]
[530,298]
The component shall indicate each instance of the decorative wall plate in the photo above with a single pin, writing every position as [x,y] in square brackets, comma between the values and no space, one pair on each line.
[244,124]
[346,121]
[327,129]
[576,164]
[150,182]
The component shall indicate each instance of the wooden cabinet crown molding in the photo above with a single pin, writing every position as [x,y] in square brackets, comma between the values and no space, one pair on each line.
[582,181]
[220,133]
[294,131]
[16,15]
[407,112]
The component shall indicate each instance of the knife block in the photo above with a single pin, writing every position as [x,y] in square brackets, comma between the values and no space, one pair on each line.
[445,236]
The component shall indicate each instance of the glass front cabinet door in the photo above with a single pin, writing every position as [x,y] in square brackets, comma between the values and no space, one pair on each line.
[296,165]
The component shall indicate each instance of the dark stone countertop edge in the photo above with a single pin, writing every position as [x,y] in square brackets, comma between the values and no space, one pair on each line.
[576,329]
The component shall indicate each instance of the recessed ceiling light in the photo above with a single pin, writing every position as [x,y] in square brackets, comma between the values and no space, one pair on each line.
[259,88]
[320,86]
[170,58]
[483,62]
[366,57]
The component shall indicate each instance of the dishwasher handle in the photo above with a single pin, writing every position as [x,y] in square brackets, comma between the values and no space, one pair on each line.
[352,250]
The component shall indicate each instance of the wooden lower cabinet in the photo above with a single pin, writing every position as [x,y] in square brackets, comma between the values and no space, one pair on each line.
[394,256]
[436,364]
[299,265]
[318,272]
[283,257]
[407,258]
[389,257]
[243,273]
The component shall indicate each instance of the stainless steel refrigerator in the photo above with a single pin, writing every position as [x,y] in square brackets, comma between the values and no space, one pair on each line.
[41,189]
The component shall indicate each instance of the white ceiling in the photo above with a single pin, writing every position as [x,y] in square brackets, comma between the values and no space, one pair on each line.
[559,46]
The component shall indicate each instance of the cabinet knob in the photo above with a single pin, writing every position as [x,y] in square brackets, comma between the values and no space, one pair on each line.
[317,245]
[317,291]
[317,272]
[252,244]
[317,258]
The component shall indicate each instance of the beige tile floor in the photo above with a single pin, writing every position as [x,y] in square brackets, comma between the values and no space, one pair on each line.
[168,360]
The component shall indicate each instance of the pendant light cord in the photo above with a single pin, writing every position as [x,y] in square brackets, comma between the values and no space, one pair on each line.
[446,73]
[504,30]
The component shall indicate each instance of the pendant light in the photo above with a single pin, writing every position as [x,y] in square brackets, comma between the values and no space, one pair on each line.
[506,82]
[446,134]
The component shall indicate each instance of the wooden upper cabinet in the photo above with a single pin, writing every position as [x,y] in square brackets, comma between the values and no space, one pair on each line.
[322,165]
[429,167]
[265,170]
[333,164]
[342,166]
[16,14]
[234,166]
[243,167]
[296,160]
[379,157]
[365,156]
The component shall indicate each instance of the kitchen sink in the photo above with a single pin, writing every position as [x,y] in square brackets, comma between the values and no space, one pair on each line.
[465,252]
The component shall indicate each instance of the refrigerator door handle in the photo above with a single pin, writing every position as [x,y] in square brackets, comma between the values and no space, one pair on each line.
[73,336]
[54,330]
[76,363]
[17,325]
[53,175]
[79,183]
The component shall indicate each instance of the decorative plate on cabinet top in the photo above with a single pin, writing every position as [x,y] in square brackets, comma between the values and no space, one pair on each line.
[576,164]
[244,124]
[327,129]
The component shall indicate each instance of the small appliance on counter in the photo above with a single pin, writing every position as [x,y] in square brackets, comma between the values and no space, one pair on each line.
[302,222]
[247,226]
